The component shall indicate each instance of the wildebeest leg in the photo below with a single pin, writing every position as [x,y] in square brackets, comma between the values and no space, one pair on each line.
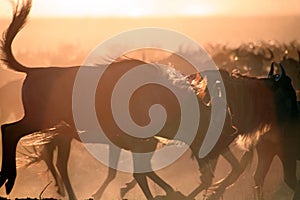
[206,177]
[238,167]
[265,155]
[289,165]
[47,156]
[297,191]
[143,163]
[143,183]
[167,188]
[11,134]
[140,164]
[62,163]
[231,177]
[235,165]
[114,155]
[127,188]
[207,169]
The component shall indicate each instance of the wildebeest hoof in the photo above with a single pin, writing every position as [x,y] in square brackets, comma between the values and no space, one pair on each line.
[61,192]
[9,185]
[2,179]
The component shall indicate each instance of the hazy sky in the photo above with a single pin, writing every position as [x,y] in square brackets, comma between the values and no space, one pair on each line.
[137,8]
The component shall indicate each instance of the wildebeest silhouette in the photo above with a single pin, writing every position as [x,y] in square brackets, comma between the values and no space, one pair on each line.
[278,123]
[283,142]
[47,101]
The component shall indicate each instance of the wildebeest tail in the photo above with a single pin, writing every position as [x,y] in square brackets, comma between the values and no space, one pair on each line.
[20,16]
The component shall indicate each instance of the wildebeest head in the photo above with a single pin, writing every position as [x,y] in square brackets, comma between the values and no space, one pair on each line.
[285,95]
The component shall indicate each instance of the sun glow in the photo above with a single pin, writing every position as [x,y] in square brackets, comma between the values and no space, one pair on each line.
[124,8]
[155,8]
[129,8]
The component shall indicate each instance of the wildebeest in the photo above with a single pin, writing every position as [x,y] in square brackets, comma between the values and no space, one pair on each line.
[234,85]
[47,100]
[283,139]
[270,128]
[283,142]
[264,124]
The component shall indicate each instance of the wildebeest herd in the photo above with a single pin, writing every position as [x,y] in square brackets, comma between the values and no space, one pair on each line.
[261,113]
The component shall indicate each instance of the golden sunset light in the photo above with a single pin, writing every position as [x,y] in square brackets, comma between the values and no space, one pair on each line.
[158,90]
[157,8]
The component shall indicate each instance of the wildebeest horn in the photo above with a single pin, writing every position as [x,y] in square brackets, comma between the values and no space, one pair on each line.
[283,74]
[282,70]
[271,72]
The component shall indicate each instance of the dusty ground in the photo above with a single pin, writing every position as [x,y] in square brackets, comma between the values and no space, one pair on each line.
[87,174]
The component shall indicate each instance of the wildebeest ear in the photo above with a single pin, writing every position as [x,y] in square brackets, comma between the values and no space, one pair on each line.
[299,56]
[271,72]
